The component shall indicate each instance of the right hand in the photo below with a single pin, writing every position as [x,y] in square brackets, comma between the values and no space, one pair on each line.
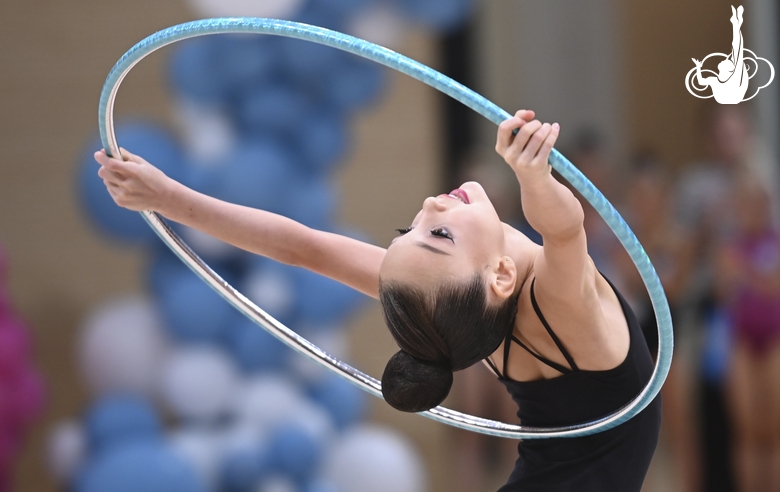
[133,183]
[527,152]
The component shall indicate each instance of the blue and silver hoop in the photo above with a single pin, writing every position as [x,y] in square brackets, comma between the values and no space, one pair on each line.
[469,98]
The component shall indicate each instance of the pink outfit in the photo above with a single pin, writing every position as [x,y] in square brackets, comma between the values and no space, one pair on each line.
[756,311]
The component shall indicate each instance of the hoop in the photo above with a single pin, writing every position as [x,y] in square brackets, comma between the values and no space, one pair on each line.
[464,95]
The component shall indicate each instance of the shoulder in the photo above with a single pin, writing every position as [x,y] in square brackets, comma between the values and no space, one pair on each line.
[592,326]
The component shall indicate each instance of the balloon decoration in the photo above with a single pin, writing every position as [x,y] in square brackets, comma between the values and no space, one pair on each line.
[189,395]
[22,391]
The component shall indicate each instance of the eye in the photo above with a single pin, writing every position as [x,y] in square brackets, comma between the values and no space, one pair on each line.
[441,232]
[403,231]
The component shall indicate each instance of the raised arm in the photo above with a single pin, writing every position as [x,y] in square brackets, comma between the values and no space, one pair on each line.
[564,270]
[137,185]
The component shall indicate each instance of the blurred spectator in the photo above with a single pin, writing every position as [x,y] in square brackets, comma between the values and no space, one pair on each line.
[748,284]
[705,207]
[646,206]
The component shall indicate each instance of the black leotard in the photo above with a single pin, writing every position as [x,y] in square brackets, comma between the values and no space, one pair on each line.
[612,461]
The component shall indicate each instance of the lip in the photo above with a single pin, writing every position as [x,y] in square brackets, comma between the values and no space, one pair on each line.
[461,194]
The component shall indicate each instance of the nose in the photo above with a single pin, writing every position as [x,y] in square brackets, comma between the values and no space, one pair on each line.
[434,204]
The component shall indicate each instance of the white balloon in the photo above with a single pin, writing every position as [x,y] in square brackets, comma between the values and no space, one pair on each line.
[276,484]
[314,419]
[266,400]
[66,450]
[270,289]
[280,9]
[240,436]
[206,130]
[381,24]
[201,448]
[370,457]
[199,382]
[122,345]
[332,340]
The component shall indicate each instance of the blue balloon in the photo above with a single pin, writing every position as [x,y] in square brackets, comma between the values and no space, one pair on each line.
[216,69]
[194,71]
[356,82]
[441,15]
[246,60]
[118,419]
[242,469]
[165,265]
[305,61]
[312,202]
[322,140]
[254,348]
[321,13]
[148,140]
[339,8]
[321,300]
[320,486]
[139,467]
[344,401]
[192,311]
[276,109]
[295,452]
[258,174]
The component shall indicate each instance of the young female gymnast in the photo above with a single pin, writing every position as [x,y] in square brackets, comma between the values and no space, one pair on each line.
[457,287]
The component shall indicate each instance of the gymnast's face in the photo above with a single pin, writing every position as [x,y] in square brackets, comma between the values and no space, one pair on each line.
[453,236]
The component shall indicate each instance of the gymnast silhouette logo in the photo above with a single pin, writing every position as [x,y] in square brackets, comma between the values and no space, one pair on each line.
[735,70]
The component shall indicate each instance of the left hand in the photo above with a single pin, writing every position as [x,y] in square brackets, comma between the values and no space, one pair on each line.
[528,152]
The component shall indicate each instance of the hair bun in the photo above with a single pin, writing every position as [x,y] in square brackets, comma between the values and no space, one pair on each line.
[413,385]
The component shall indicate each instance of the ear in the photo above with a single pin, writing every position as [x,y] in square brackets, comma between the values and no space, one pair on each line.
[503,278]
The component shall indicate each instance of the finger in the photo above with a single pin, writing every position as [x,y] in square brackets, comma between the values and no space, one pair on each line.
[549,143]
[110,175]
[505,133]
[109,162]
[525,133]
[536,140]
[126,155]
[526,114]
[101,157]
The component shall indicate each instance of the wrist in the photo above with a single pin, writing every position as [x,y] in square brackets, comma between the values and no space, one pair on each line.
[534,178]
[171,195]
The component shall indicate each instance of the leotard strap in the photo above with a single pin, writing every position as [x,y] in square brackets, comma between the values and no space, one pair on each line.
[510,337]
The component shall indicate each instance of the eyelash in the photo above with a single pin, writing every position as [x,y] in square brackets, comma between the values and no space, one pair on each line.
[439,231]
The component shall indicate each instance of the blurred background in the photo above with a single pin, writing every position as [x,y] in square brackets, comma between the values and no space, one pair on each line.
[120,370]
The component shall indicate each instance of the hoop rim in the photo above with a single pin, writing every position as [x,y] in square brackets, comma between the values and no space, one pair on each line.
[455,90]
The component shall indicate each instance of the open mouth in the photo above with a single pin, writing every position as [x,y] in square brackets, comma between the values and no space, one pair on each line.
[460,195]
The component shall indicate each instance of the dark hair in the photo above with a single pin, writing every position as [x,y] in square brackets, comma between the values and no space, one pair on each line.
[447,331]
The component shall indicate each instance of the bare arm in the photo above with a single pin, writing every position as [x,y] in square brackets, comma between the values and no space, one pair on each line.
[564,269]
[137,185]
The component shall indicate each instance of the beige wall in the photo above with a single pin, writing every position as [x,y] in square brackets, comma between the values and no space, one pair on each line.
[661,37]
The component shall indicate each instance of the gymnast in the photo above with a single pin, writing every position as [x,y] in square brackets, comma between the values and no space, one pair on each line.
[457,287]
